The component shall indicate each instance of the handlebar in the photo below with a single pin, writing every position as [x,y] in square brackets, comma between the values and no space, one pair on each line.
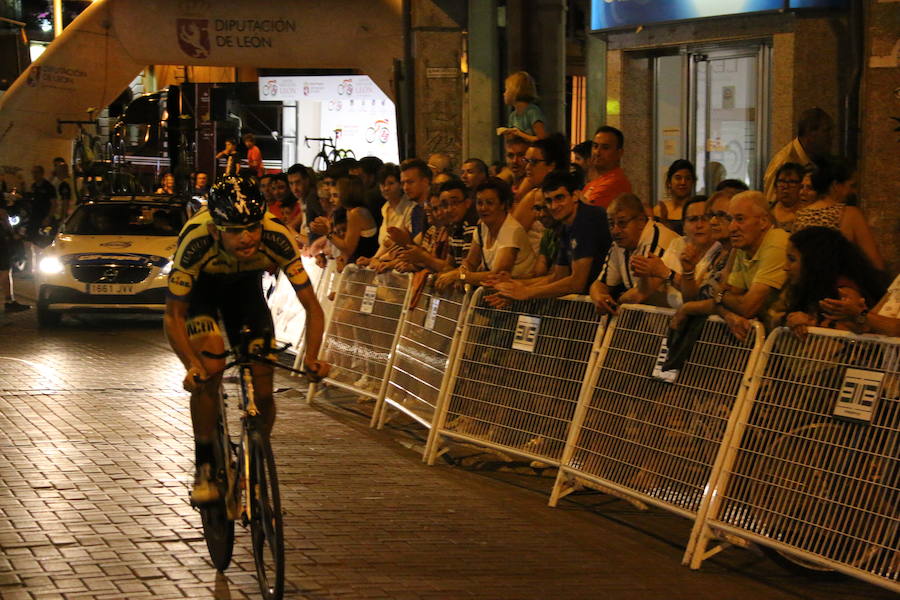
[61,122]
[242,355]
[307,140]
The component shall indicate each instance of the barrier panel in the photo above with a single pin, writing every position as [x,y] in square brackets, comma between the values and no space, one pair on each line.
[361,333]
[427,342]
[325,281]
[288,315]
[650,435]
[516,378]
[813,471]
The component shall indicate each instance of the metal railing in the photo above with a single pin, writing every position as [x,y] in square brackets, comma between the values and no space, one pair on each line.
[427,343]
[325,282]
[362,332]
[517,376]
[651,435]
[814,470]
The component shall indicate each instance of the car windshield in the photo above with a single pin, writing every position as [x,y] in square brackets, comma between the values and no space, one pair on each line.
[125,219]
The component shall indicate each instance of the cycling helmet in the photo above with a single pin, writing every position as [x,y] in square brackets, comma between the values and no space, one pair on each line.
[235,200]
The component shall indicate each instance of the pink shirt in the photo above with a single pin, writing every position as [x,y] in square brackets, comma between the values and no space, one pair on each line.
[606,188]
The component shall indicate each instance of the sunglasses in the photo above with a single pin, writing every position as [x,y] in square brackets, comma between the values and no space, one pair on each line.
[239,229]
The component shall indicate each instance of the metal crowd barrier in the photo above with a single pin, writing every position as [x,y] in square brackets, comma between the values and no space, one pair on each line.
[325,281]
[516,378]
[813,472]
[654,436]
[426,345]
[362,332]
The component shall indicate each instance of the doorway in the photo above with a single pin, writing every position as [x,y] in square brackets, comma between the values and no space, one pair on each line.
[711,106]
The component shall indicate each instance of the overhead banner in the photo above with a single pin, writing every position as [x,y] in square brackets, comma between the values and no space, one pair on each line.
[614,14]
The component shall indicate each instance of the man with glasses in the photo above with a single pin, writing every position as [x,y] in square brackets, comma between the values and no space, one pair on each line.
[582,243]
[217,273]
[815,131]
[787,195]
[636,241]
[607,148]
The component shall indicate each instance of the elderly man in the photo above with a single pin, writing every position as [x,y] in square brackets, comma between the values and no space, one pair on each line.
[813,142]
[610,181]
[757,274]
[583,242]
[636,239]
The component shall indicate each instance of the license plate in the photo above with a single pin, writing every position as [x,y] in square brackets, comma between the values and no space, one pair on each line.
[110,289]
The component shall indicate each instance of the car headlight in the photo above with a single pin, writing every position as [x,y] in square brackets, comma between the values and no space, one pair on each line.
[50,265]
[166,269]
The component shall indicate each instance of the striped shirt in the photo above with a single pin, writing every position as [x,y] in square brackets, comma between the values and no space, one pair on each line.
[461,235]
[654,240]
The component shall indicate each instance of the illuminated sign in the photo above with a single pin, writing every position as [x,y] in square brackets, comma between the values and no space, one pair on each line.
[613,14]
[350,109]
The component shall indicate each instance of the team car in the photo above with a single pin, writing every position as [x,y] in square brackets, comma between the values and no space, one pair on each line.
[110,255]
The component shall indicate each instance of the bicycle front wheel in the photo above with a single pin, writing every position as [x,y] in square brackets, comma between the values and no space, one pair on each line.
[266,526]
[320,163]
[218,529]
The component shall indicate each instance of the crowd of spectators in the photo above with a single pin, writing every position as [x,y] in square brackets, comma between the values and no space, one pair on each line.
[556,219]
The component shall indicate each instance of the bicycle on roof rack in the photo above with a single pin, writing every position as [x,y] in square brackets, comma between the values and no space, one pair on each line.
[99,168]
[328,153]
[246,476]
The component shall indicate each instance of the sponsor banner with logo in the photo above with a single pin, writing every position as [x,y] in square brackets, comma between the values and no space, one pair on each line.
[351,110]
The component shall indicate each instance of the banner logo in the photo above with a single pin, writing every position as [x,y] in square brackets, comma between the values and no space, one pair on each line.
[193,37]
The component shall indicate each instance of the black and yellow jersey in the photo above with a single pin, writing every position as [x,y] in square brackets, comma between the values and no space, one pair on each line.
[198,253]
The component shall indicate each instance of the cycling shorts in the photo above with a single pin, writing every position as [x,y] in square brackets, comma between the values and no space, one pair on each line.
[237,301]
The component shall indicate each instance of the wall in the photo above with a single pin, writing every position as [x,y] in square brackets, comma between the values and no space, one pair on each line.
[880,144]
[437,30]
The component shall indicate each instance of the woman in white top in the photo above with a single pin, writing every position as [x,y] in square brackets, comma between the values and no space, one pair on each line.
[500,244]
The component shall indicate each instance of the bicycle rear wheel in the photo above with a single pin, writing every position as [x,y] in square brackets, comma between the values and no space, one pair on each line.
[218,529]
[266,526]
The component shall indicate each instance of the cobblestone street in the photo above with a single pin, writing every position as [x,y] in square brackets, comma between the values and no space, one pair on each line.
[96,456]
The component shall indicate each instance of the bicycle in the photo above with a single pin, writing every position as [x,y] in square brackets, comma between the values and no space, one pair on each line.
[87,148]
[247,480]
[324,159]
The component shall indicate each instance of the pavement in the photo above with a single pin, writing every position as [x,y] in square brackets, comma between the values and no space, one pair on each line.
[96,460]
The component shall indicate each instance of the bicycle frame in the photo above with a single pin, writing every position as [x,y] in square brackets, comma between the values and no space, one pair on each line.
[249,416]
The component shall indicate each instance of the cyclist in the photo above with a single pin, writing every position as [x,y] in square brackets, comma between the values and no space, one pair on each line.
[217,272]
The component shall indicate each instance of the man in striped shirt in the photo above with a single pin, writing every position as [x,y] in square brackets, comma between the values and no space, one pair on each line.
[635,237]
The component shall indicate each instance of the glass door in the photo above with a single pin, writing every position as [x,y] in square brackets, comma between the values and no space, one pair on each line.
[730,90]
